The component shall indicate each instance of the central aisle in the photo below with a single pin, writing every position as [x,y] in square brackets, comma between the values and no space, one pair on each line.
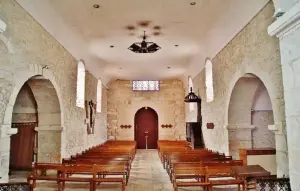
[148,174]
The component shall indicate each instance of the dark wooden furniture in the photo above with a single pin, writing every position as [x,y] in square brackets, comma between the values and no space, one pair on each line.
[194,134]
[261,151]
[22,146]
[110,162]
[250,173]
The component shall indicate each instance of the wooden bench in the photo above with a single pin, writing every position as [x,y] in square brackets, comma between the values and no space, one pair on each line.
[202,176]
[191,165]
[221,172]
[105,171]
[40,171]
[197,176]
[195,158]
[98,174]
[102,162]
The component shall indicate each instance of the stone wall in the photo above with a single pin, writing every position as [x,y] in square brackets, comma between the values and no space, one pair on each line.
[26,47]
[25,108]
[251,51]
[262,117]
[168,102]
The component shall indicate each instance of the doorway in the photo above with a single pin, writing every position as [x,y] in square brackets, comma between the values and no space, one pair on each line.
[146,128]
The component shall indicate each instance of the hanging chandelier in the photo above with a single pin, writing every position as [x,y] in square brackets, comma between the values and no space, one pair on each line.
[144,47]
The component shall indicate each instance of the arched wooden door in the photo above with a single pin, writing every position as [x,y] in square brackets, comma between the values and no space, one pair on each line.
[146,120]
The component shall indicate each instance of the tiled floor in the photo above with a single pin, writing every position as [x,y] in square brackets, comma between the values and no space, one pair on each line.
[147,174]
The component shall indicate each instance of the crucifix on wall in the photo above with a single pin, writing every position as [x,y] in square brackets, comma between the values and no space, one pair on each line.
[90,112]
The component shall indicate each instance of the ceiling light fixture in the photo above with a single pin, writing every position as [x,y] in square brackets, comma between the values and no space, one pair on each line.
[144,47]
[96,6]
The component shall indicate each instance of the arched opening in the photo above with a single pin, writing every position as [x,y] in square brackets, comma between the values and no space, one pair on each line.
[249,114]
[37,116]
[146,128]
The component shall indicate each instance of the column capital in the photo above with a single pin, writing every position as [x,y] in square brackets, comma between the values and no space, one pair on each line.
[2,26]
[49,128]
[240,127]
[7,131]
[286,23]
[277,128]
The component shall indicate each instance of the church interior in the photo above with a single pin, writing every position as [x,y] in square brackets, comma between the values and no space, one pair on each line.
[143,95]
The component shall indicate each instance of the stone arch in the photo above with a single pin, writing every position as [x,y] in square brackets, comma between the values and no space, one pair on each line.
[274,89]
[20,77]
[23,76]
[273,83]
[240,114]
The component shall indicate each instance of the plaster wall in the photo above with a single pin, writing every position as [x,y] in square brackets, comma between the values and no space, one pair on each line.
[168,102]
[26,47]
[252,51]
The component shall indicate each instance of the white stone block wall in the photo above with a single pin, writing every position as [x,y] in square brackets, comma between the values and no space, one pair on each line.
[287,29]
[168,102]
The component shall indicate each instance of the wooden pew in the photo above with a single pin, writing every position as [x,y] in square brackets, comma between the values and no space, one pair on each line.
[110,157]
[98,174]
[216,163]
[197,176]
[40,171]
[202,176]
[102,162]
[106,171]
[223,171]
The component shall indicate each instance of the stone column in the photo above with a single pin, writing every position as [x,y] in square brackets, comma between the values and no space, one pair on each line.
[240,136]
[281,149]
[6,131]
[49,143]
[287,29]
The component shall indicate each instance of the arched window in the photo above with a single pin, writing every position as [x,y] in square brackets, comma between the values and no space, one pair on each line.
[209,81]
[80,84]
[99,96]
[191,105]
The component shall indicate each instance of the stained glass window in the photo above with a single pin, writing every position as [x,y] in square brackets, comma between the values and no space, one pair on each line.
[149,85]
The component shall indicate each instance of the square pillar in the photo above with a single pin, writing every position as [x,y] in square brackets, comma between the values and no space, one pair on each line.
[281,149]
[240,136]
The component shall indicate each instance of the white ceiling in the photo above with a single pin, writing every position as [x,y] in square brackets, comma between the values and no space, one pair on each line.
[201,31]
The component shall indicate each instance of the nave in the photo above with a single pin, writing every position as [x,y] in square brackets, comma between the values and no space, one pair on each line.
[147,174]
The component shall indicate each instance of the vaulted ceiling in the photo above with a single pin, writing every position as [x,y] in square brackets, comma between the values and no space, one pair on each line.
[101,36]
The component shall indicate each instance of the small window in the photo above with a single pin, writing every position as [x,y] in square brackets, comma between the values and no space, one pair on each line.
[191,105]
[99,96]
[209,81]
[80,84]
[138,85]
